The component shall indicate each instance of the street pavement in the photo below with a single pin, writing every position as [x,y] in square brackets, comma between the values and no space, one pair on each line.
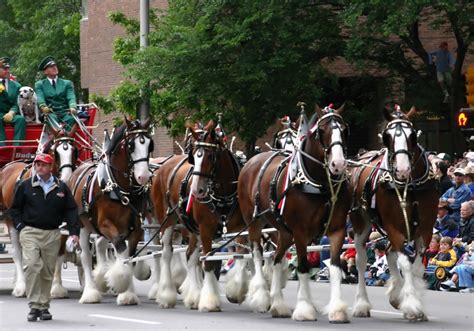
[446,311]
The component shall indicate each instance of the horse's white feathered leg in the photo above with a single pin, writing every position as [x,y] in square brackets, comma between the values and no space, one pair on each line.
[362,304]
[278,307]
[19,288]
[58,291]
[90,294]
[337,308]
[258,296]
[167,294]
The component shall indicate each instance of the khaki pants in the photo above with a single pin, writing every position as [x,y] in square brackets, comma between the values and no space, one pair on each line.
[40,252]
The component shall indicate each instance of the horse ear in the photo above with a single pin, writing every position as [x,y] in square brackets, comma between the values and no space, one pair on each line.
[386,114]
[190,126]
[106,142]
[145,123]
[128,122]
[411,113]
[209,126]
[318,110]
[340,109]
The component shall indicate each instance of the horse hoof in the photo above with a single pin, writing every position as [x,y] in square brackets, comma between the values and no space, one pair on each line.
[58,292]
[127,299]
[280,312]
[304,311]
[232,300]
[338,318]
[361,314]
[19,293]
[90,296]
[395,304]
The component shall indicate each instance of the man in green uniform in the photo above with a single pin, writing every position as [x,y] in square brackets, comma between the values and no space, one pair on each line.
[9,112]
[56,96]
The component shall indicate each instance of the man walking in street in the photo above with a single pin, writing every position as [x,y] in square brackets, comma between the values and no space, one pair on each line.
[41,203]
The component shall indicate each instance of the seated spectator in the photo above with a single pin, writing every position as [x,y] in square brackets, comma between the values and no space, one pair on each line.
[457,194]
[463,274]
[469,179]
[458,247]
[445,224]
[348,260]
[432,249]
[467,222]
[374,237]
[378,272]
[446,256]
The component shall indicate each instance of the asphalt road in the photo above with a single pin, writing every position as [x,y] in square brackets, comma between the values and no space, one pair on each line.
[447,311]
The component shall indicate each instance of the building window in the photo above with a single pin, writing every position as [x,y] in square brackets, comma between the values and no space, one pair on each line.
[85,9]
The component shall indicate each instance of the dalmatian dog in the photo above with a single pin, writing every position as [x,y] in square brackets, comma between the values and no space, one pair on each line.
[28,105]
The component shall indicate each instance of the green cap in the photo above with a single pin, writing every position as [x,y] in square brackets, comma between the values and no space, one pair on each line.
[4,62]
[46,62]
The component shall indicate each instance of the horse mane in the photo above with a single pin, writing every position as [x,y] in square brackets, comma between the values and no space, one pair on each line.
[116,138]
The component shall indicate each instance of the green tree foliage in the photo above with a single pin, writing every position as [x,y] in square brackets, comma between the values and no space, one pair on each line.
[31,30]
[252,60]
[386,35]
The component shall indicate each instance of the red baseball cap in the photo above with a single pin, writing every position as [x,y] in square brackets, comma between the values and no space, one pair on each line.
[46,158]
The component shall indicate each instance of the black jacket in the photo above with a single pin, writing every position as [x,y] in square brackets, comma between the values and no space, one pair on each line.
[33,208]
[467,231]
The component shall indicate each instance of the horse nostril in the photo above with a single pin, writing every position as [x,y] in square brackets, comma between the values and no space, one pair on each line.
[333,164]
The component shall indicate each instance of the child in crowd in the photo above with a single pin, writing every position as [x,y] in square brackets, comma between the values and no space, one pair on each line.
[432,249]
[378,272]
[348,260]
[446,256]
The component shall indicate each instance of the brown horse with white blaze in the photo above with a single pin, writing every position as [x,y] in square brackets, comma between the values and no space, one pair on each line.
[395,189]
[304,196]
[200,191]
[111,196]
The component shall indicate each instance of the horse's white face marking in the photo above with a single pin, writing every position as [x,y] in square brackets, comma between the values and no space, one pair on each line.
[337,161]
[402,161]
[198,185]
[141,153]
[65,152]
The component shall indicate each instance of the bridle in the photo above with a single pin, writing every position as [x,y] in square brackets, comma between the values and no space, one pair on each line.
[130,137]
[335,121]
[399,125]
[200,147]
[65,143]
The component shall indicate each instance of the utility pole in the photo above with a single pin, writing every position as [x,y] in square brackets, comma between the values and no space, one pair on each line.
[144,111]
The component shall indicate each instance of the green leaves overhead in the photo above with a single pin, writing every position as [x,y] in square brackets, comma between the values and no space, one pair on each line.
[251,60]
[33,29]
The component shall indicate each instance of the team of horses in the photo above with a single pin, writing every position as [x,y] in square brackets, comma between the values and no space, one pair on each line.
[305,189]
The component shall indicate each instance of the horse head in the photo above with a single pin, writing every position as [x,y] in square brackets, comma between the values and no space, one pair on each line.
[139,145]
[208,144]
[400,139]
[286,137]
[62,147]
[331,132]
[128,152]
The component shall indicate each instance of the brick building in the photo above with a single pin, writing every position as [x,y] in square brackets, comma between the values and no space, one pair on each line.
[99,73]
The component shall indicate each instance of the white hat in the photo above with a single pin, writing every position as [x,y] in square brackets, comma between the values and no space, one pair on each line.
[459,171]
[469,155]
